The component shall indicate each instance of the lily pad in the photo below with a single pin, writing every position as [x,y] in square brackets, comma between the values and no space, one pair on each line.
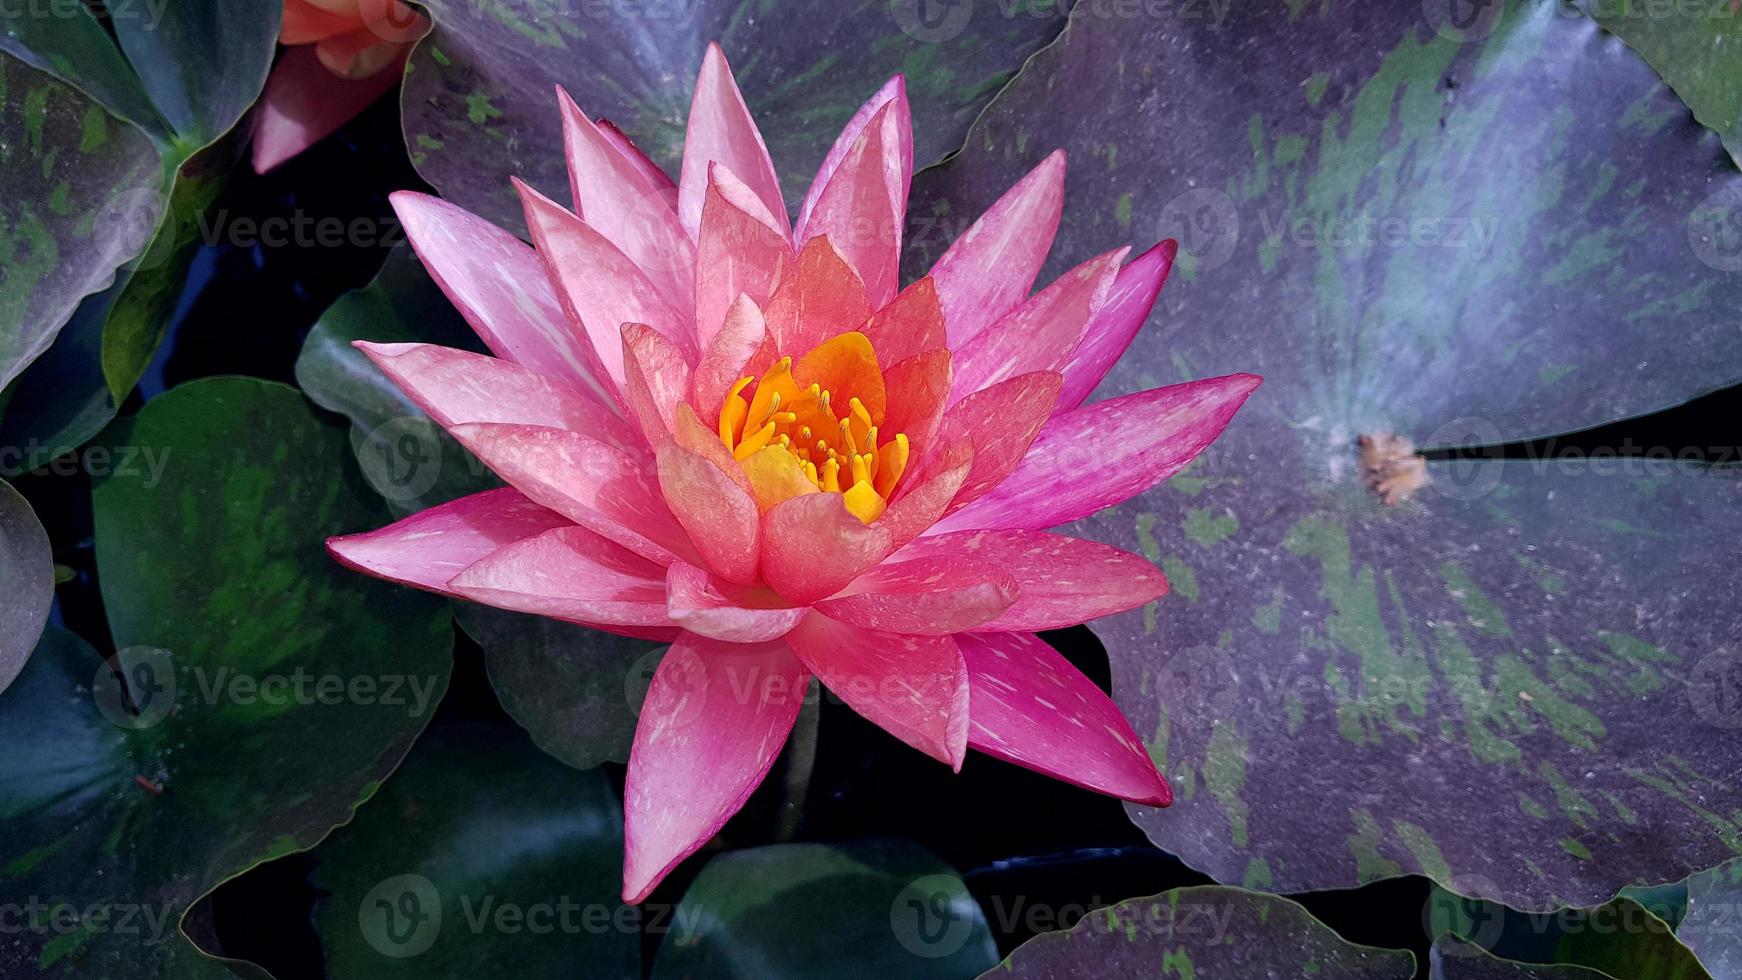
[140,785]
[1455,959]
[1712,927]
[78,196]
[73,45]
[1518,679]
[1621,938]
[203,62]
[481,857]
[26,582]
[1697,47]
[1204,931]
[479,108]
[871,909]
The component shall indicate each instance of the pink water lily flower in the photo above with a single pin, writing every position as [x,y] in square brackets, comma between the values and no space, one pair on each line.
[740,435]
[341,56]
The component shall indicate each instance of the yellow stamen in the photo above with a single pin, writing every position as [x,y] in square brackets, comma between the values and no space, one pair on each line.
[754,442]
[864,503]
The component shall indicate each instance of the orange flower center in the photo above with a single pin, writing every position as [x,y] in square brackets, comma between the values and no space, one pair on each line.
[812,427]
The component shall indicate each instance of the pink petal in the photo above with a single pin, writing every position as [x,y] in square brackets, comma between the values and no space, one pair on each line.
[991,267]
[913,687]
[812,546]
[305,103]
[720,516]
[919,507]
[600,288]
[894,90]
[430,547]
[720,129]
[723,611]
[911,324]
[641,161]
[712,725]
[1029,706]
[740,251]
[631,208]
[570,574]
[816,300]
[456,386]
[1108,452]
[499,285]
[590,483]
[917,390]
[1002,422]
[1042,333]
[727,356]
[656,380]
[692,435]
[1061,581]
[926,595]
[861,206]
[1127,307]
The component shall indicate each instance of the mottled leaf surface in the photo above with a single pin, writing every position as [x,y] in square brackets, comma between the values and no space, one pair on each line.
[146,783]
[1508,679]
[1207,931]
[78,196]
[858,909]
[1712,927]
[480,858]
[1696,46]
[1621,938]
[26,582]
[479,105]
[73,45]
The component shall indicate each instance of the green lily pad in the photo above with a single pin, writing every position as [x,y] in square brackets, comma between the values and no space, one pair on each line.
[1696,47]
[78,197]
[203,62]
[1205,931]
[1621,938]
[1456,959]
[479,106]
[73,45]
[26,582]
[143,784]
[481,857]
[1518,677]
[872,909]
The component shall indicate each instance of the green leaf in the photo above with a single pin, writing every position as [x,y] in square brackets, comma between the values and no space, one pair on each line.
[1696,47]
[1456,959]
[260,693]
[1518,675]
[26,582]
[61,400]
[1206,931]
[479,105]
[872,909]
[78,197]
[69,42]
[1620,938]
[203,61]
[480,858]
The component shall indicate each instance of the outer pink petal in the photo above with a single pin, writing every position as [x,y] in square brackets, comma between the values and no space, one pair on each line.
[1127,307]
[632,209]
[430,547]
[713,723]
[926,596]
[570,574]
[723,611]
[720,516]
[727,355]
[1042,333]
[456,386]
[812,546]
[640,160]
[1002,422]
[656,380]
[720,129]
[1029,706]
[499,285]
[913,687]
[1061,581]
[600,288]
[305,103]
[590,483]
[740,251]
[990,268]
[861,206]
[1101,454]
[894,90]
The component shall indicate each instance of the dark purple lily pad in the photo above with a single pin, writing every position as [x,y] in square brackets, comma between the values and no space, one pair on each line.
[1207,931]
[479,105]
[1518,679]
[1712,927]
[26,582]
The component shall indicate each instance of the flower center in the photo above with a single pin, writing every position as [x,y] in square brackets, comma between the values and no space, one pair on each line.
[812,427]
